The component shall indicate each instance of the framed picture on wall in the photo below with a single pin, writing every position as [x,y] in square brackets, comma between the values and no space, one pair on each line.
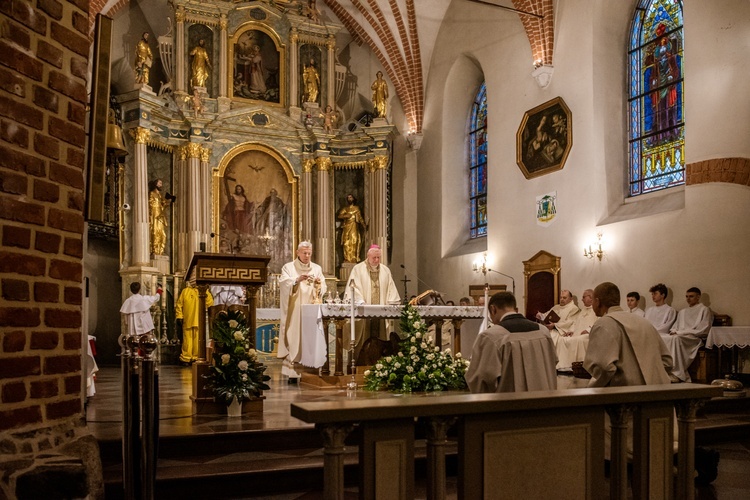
[544,138]
[257,65]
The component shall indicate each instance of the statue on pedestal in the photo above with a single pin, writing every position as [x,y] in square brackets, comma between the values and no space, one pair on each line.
[330,120]
[157,219]
[201,67]
[311,81]
[143,60]
[351,238]
[379,95]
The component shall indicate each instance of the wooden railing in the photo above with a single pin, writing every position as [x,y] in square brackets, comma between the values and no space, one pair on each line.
[517,445]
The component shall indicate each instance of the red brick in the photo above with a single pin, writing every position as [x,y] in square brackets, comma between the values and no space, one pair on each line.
[73,385]
[14,392]
[20,417]
[67,86]
[81,4]
[14,341]
[21,112]
[16,160]
[75,201]
[62,318]
[49,53]
[12,83]
[66,270]
[12,262]
[44,340]
[14,236]
[19,316]
[79,68]
[25,14]
[41,389]
[13,183]
[17,60]
[18,35]
[51,7]
[46,191]
[72,341]
[73,296]
[62,364]
[65,220]
[18,367]
[16,290]
[70,39]
[47,242]
[12,209]
[63,409]
[62,174]
[47,146]
[11,132]
[81,23]
[76,113]
[64,130]
[75,158]
[46,292]
[73,247]
[46,99]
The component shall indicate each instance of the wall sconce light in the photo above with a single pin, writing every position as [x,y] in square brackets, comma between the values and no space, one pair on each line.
[594,250]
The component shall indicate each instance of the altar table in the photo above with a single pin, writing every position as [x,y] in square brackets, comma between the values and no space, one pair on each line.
[733,337]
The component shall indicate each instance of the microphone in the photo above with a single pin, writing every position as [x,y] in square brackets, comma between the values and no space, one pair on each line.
[507,276]
[425,284]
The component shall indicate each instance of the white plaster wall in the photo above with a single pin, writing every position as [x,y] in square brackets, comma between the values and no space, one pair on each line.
[692,236]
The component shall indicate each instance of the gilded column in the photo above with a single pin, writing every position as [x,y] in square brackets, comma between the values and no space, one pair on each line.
[294,73]
[140,200]
[181,261]
[379,203]
[194,200]
[205,194]
[223,70]
[180,49]
[324,230]
[331,79]
[307,203]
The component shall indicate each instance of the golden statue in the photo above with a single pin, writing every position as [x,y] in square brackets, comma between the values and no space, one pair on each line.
[157,219]
[143,60]
[201,67]
[311,81]
[379,95]
[351,240]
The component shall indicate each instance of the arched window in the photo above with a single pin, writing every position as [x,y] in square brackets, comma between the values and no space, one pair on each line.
[478,166]
[656,130]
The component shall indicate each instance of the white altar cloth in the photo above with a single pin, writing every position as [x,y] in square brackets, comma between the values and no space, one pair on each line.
[728,336]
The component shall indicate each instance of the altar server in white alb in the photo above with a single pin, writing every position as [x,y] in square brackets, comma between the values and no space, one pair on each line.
[687,333]
[572,344]
[373,284]
[137,310]
[633,298]
[661,314]
[566,309]
[301,282]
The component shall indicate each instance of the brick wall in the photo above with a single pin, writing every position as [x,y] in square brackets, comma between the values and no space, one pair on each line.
[44,48]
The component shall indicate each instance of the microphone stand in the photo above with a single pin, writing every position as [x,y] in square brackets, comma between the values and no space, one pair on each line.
[507,276]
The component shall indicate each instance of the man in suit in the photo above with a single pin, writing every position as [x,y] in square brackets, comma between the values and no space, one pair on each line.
[503,351]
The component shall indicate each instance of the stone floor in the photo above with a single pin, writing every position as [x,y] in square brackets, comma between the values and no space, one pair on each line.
[103,413]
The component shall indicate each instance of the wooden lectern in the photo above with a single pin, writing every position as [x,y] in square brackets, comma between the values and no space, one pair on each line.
[250,271]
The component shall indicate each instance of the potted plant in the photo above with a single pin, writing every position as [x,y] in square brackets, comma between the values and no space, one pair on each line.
[235,375]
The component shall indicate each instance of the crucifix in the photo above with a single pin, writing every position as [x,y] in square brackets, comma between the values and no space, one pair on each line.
[406,294]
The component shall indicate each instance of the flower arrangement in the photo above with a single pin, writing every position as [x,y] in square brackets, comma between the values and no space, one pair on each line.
[236,371]
[419,364]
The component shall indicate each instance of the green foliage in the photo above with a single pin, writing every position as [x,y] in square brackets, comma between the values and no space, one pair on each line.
[236,371]
[419,365]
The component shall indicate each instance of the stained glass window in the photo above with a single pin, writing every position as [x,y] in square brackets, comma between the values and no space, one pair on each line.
[478,166]
[656,126]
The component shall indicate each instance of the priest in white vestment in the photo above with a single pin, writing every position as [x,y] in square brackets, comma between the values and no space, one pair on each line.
[572,344]
[137,310]
[301,282]
[687,333]
[566,309]
[661,314]
[624,350]
[373,284]
[633,299]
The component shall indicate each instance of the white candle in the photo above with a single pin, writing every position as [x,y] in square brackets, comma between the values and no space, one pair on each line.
[163,290]
[352,313]
[153,284]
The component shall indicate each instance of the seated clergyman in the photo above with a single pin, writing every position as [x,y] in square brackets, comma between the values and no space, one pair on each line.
[684,337]
[572,344]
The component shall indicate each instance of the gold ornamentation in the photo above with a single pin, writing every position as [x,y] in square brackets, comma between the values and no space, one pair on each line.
[331,43]
[380,162]
[182,152]
[223,22]
[230,273]
[308,164]
[351,165]
[179,16]
[205,154]
[323,163]
[141,135]
[193,150]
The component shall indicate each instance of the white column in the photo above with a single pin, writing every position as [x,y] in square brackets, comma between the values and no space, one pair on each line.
[331,70]
[205,194]
[181,261]
[194,201]
[324,232]
[294,70]
[307,201]
[378,224]
[223,61]
[180,49]
[140,200]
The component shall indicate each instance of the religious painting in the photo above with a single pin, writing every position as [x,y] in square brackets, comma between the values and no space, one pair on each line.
[257,194]
[544,138]
[257,69]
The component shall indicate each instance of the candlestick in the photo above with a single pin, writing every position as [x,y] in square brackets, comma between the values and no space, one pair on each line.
[352,314]
[163,290]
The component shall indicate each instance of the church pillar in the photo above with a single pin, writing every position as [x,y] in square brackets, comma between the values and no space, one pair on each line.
[307,202]
[331,70]
[194,200]
[223,56]
[324,230]
[205,194]
[140,200]
[294,70]
[379,203]
[181,211]
[180,49]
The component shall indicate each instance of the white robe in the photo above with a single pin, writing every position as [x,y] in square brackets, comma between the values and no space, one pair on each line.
[137,311]
[691,326]
[502,361]
[293,348]
[638,312]
[573,348]
[566,313]
[662,317]
[227,294]
[360,277]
